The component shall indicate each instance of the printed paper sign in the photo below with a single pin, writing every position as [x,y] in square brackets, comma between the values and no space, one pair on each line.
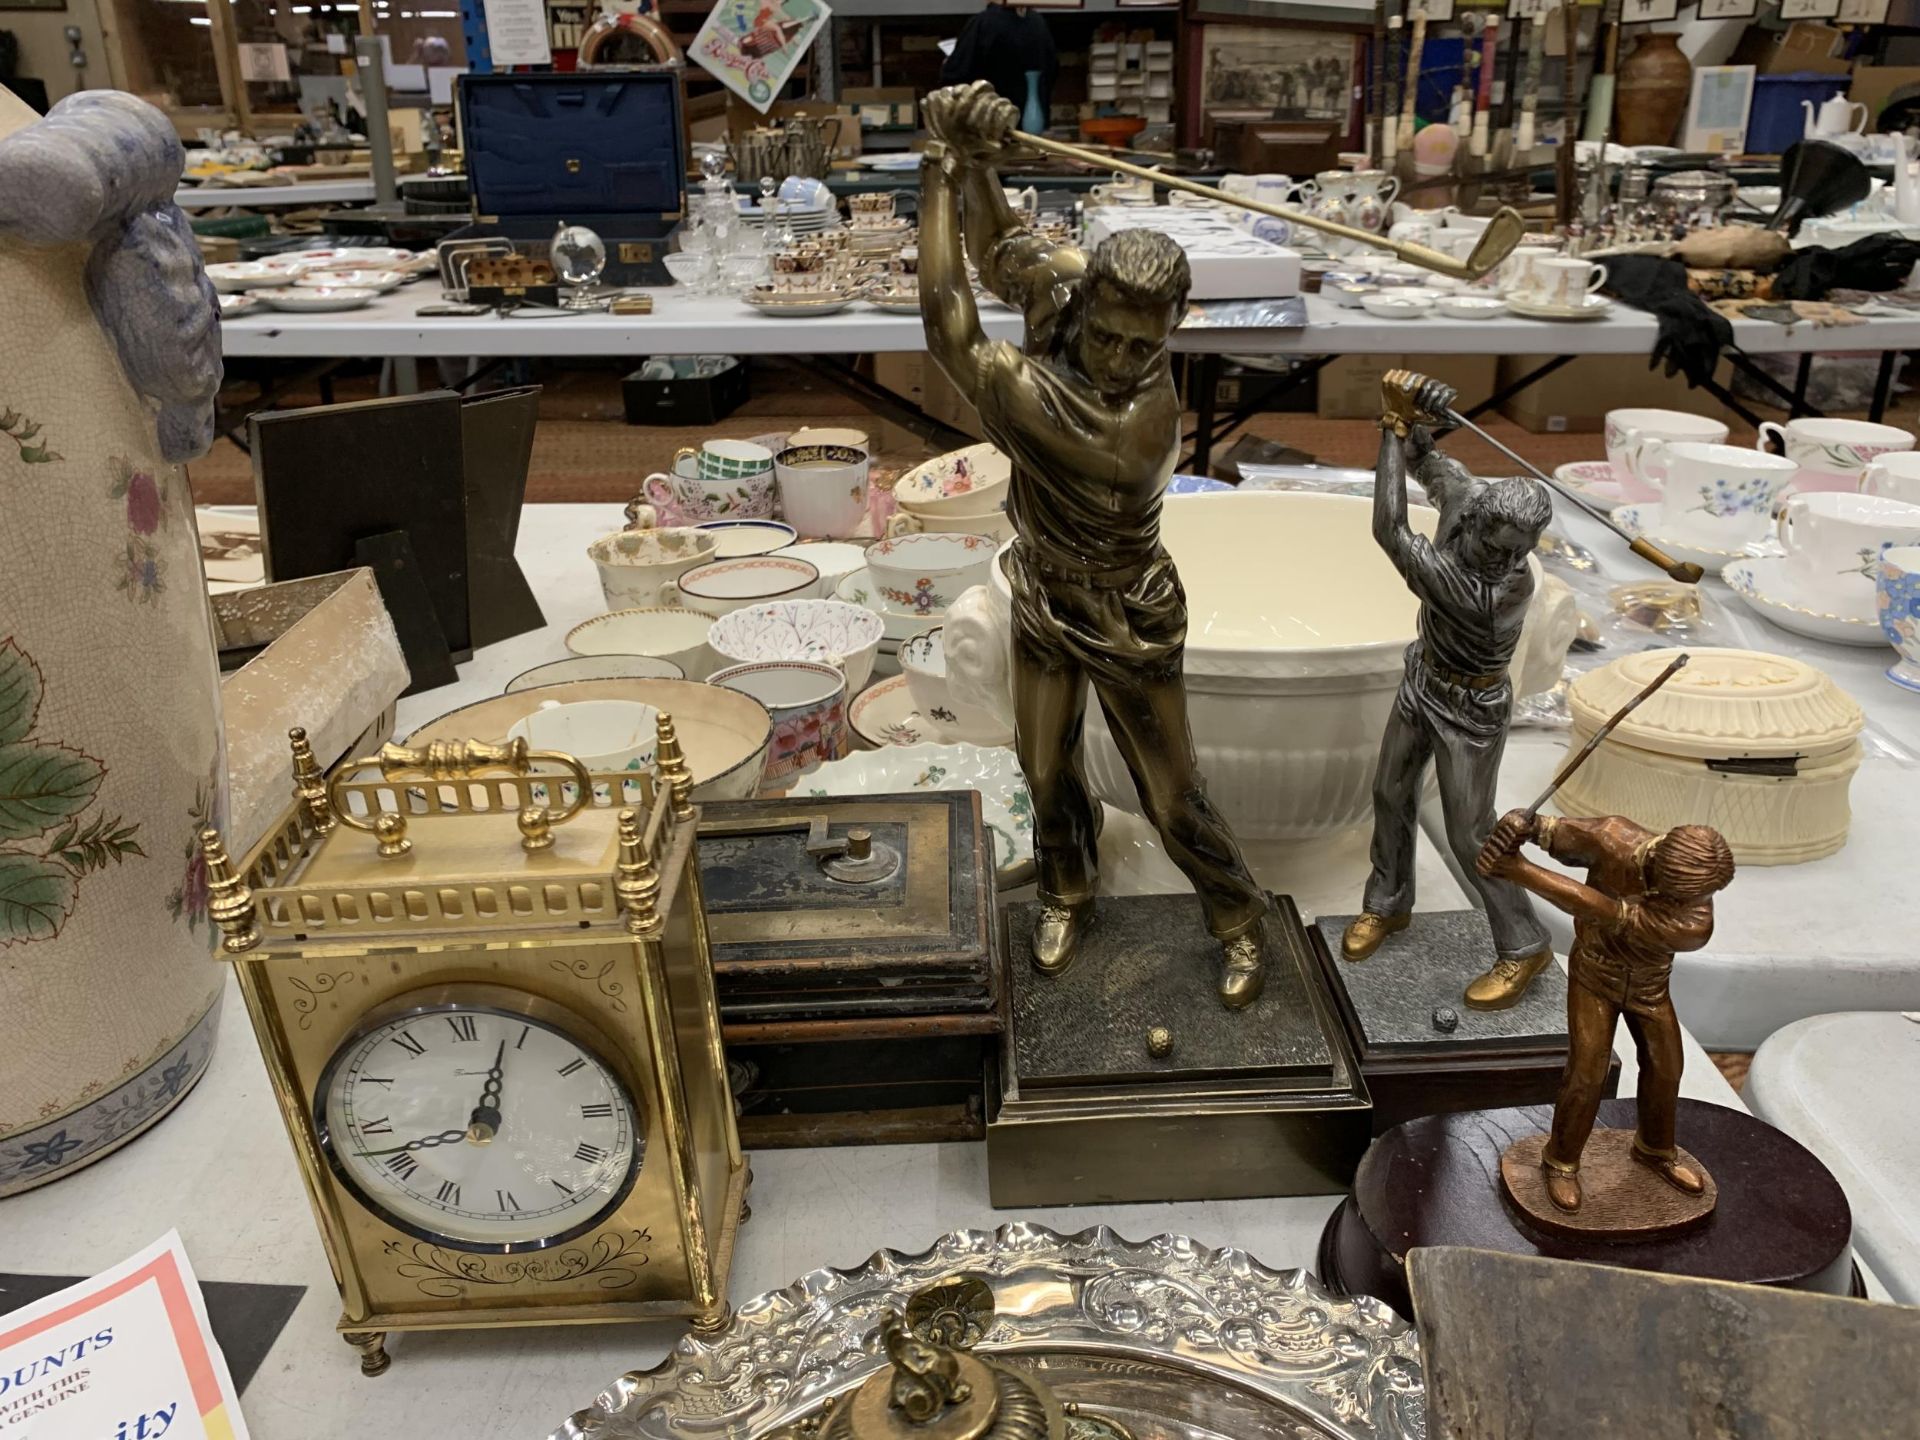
[753,46]
[264,63]
[126,1355]
[517,32]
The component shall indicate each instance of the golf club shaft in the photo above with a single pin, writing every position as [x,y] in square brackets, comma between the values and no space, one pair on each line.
[1566,770]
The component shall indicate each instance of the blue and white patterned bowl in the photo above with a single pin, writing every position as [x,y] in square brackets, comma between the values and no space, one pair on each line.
[1897,598]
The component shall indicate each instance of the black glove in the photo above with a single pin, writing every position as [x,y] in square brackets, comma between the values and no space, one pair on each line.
[1879,262]
[1692,335]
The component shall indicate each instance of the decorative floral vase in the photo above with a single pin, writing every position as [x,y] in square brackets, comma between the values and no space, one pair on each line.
[1651,92]
[110,741]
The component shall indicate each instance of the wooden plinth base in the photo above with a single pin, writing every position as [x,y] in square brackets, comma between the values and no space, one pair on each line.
[1779,1217]
[1620,1199]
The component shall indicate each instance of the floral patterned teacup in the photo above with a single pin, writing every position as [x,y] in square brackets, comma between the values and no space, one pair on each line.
[924,574]
[1628,432]
[1833,454]
[695,497]
[1719,496]
[808,702]
[1899,608]
[1835,540]
[603,735]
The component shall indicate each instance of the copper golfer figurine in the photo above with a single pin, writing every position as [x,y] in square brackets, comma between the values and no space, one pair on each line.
[1646,896]
[1088,415]
[1455,700]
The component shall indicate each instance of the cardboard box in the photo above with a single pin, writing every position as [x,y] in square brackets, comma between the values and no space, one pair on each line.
[914,377]
[1575,398]
[1873,86]
[1807,47]
[1350,385]
[883,106]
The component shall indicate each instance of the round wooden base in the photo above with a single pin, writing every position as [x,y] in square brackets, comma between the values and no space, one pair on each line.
[1621,1200]
[1780,1218]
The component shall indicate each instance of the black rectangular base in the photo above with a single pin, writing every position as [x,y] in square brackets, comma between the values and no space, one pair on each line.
[1398,1004]
[1262,1101]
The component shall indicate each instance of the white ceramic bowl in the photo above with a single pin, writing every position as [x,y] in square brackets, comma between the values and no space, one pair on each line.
[319,299]
[1295,631]
[834,559]
[724,734]
[736,538]
[381,280]
[1388,306]
[665,632]
[961,482]
[918,574]
[234,275]
[638,567]
[596,667]
[1471,307]
[831,631]
[723,586]
[923,661]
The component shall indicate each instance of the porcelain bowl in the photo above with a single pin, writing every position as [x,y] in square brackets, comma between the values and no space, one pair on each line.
[665,632]
[638,567]
[923,661]
[839,634]
[1296,627]
[971,481]
[919,574]
[725,735]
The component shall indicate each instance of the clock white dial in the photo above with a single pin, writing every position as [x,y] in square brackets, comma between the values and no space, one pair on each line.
[478,1126]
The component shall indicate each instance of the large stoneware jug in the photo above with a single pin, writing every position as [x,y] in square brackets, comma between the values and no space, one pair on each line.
[110,747]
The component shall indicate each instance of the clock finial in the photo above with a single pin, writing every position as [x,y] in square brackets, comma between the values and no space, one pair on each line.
[636,884]
[229,898]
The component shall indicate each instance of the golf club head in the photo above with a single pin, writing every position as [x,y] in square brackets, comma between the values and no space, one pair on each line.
[1504,231]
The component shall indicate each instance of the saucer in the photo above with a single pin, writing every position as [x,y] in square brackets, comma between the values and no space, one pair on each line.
[319,299]
[1643,518]
[1472,307]
[1594,481]
[859,589]
[798,305]
[894,305]
[883,715]
[1774,592]
[1594,307]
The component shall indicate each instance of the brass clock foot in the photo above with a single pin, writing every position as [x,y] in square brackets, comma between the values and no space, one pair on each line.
[713,1322]
[746,1190]
[372,1345]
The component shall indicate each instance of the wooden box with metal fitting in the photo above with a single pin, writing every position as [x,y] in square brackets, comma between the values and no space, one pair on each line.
[480,979]
[1124,1079]
[853,953]
[1761,747]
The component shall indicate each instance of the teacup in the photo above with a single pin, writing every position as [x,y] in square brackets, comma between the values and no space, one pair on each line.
[603,735]
[675,634]
[1834,540]
[723,586]
[805,192]
[831,435]
[923,661]
[595,667]
[1563,280]
[808,703]
[1834,454]
[1280,189]
[1720,496]
[834,559]
[833,632]
[1515,275]
[1898,600]
[823,488]
[996,524]
[1893,476]
[725,459]
[745,497]
[961,482]
[638,567]
[925,573]
[1628,432]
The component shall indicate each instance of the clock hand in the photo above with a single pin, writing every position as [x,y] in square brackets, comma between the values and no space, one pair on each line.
[445,1137]
[485,1120]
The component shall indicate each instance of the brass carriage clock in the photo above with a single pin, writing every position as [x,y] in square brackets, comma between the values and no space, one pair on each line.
[481,985]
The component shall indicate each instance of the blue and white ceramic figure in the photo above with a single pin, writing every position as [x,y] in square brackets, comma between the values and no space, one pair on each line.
[1898,599]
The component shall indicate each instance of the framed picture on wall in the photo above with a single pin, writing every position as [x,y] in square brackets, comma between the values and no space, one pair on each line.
[33,4]
[1863,12]
[1809,9]
[1729,9]
[1718,108]
[1639,12]
[1290,74]
[1438,10]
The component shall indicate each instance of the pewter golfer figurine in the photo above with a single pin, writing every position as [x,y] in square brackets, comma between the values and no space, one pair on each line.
[1089,418]
[1473,585]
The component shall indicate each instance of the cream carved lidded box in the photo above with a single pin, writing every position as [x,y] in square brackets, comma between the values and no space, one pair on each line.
[110,749]
[1761,747]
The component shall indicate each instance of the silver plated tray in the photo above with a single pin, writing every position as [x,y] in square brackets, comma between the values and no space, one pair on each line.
[1171,1338]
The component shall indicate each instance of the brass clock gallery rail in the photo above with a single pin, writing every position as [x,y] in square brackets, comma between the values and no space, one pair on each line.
[482,988]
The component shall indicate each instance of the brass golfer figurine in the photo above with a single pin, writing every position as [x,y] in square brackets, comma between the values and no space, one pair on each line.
[1090,420]
[1455,699]
[1646,896]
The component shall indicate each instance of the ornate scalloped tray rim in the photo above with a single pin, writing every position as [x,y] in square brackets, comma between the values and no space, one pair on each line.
[1350,1367]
